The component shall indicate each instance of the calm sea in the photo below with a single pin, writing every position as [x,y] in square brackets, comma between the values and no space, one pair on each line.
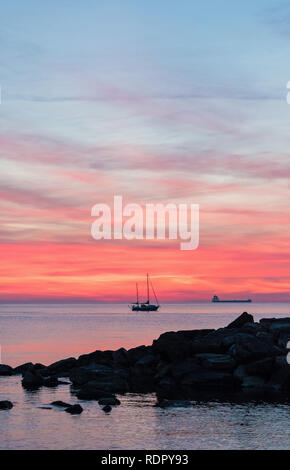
[45,333]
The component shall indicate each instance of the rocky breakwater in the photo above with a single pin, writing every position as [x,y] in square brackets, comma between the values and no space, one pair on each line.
[243,358]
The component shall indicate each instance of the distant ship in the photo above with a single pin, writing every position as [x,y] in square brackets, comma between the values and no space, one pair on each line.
[145,306]
[216,299]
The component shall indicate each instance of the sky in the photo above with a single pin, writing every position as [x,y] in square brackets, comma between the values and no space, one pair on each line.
[157,101]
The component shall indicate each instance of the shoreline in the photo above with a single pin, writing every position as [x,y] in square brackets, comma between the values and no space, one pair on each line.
[245,359]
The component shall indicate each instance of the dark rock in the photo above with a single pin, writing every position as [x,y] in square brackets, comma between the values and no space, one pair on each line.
[39,366]
[6,405]
[194,334]
[5,370]
[109,401]
[44,407]
[231,339]
[251,328]
[146,361]
[92,391]
[280,379]
[96,357]
[74,409]
[107,409]
[31,380]
[276,325]
[252,348]
[241,320]
[167,388]
[51,382]
[212,361]
[262,368]
[181,368]
[207,379]
[283,340]
[216,342]
[172,346]
[162,369]
[134,354]
[120,357]
[23,368]
[63,365]
[61,404]
[82,375]
[253,382]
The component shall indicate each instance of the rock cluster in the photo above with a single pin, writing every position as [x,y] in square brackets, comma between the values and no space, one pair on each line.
[243,357]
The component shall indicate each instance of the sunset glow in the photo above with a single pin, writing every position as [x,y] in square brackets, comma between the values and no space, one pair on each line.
[153,121]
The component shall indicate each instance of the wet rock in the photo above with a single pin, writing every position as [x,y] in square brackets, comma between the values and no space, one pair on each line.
[109,401]
[5,370]
[61,404]
[6,405]
[253,382]
[107,408]
[92,391]
[31,380]
[252,348]
[223,362]
[51,382]
[280,380]
[241,320]
[74,409]
[207,379]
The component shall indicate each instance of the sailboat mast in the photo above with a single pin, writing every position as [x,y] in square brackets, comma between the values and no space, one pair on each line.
[137,293]
[148,300]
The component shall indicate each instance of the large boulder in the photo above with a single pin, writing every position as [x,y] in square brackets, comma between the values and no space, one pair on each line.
[32,380]
[216,342]
[276,325]
[252,348]
[96,357]
[172,346]
[5,370]
[62,366]
[23,368]
[134,354]
[245,317]
[212,361]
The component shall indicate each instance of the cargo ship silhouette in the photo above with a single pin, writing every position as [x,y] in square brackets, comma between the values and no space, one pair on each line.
[216,300]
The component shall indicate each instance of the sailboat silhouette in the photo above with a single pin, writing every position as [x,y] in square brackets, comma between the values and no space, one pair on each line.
[145,306]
